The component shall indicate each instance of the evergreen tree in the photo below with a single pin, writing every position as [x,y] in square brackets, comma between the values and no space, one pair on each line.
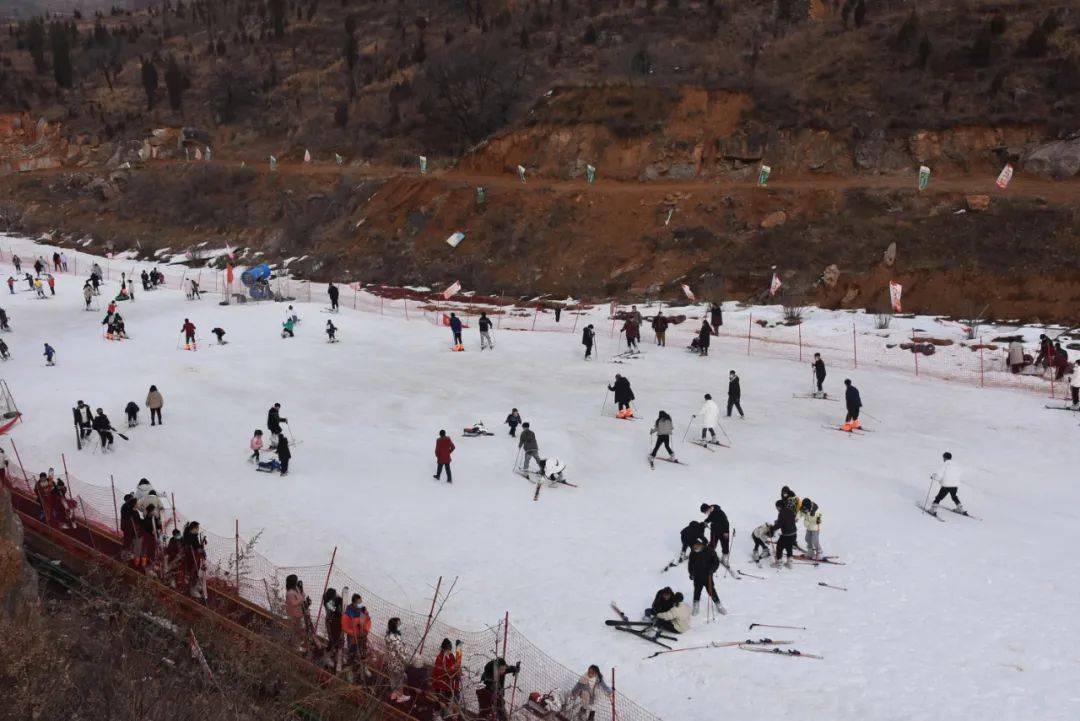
[61,54]
[175,83]
[150,82]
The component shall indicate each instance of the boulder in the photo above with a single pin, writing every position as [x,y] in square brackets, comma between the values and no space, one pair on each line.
[1056,160]
[977,202]
[18,582]
[774,219]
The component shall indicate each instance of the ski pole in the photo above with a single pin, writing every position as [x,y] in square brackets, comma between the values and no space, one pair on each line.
[826,585]
[766,625]
[721,425]
[928,492]
[516,459]
[688,427]
[876,420]
[292,436]
[604,406]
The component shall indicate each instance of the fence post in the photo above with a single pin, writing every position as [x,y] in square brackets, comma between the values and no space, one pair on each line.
[513,689]
[614,716]
[406,299]
[749,327]
[854,346]
[576,316]
[86,523]
[982,370]
[326,585]
[174,514]
[26,478]
[536,312]
[430,616]
[381,302]
[236,536]
[800,342]
[915,352]
[115,510]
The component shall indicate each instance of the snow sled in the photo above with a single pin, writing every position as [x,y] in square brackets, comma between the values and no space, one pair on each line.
[271,466]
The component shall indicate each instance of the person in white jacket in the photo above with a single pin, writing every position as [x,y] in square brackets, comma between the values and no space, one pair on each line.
[585,695]
[710,417]
[811,518]
[948,478]
[677,619]
[1074,384]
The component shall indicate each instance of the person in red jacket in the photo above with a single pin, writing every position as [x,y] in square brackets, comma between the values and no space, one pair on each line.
[189,334]
[443,448]
[446,674]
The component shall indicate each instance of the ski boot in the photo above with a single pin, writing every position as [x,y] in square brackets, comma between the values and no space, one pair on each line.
[933,509]
[960,509]
[776,563]
[694,611]
[788,563]
[719,608]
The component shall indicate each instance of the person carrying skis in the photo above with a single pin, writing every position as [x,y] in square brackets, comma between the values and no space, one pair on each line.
[819,374]
[716,316]
[87,294]
[188,329]
[587,337]
[332,291]
[948,479]
[273,422]
[702,565]
[761,535]
[132,412]
[811,518]
[663,428]
[104,428]
[287,328]
[50,353]
[710,417]
[331,329]
[854,403]
[624,395]
[484,324]
[155,402]
[785,521]
[734,395]
[703,339]
[443,448]
[631,329]
[719,528]
[527,443]
[283,454]
[513,420]
[455,329]
[676,619]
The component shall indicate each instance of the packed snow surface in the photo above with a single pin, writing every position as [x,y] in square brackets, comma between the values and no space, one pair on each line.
[964,619]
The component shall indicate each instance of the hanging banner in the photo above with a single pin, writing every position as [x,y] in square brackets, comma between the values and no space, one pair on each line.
[454,239]
[895,291]
[521,173]
[451,291]
[774,286]
[763,175]
[924,177]
[307,156]
[590,174]
[481,195]
[689,294]
[339,159]
[229,274]
[1005,176]
[273,163]
[423,163]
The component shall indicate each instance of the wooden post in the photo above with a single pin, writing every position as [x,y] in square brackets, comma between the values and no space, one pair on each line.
[174,514]
[115,508]
[430,616]
[915,352]
[614,717]
[381,299]
[406,300]
[26,478]
[236,537]
[330,570]
[513,689]
[749,328]
[855,346]
[982,377]
[536,312]
[576,316]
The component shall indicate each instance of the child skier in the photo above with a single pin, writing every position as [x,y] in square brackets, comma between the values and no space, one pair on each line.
[50,353]
[588,335]
[948,478]
[761,536]
[220,334]
[331,329]
[188,329]
[255,445]
[811,518]
[132,411]
[785,521]
[87,294]
[287,328]
[663,429]
[819,375]
[513,420]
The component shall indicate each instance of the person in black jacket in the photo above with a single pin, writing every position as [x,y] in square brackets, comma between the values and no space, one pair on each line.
[284,454]
[587,336]
[623,395]
[273,422]
[704,336]
[716,315]
[717,521]
[484,324]
[130,523]
[132,412]
[734,395]
[819,373]
[493,692]
[854,403]
[663,601]
[702,565]
[104,428]
[694,531]
[785,521]
[333,292]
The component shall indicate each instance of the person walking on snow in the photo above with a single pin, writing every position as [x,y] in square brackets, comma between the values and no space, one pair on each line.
[104,428]
[513,420]
[455,329]
[332,291]
[719,528]
[811,518]
[785,521]
[710,417]
[663,428]
[131,410]
[734,395]
[155,402]
[188,329]
[948,478]
[819,374]
[17,262]
[854,403]
[660,325]
[87,294]
[50,353]
[527,443]
[631,329]
[331,329]
[484,324]
[716,317]
[11,285]
[56,261]
[702,565]
[443,448]
[587,337]
[624,395]
[283,454]
[273,422]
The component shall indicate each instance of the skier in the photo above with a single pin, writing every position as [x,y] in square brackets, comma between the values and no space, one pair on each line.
[219,333]
[761,536]
[663,429]
[702,565]
[11,285]
[710,417]
[39,288]
[188,329]
[117,330]
[290,314]
[717,521]
[631,329]
[635,315]
[56,261]
[29,281]
[734,395]
[716,315]
[527,443]
[703,339]
[660,325]
[854,403]
[484,324]
[104,428]
[819,374]
[587,337]
[17,262]
[513,420]
[331,329]
[87,294]
[694,531]
[50,353]
[145,278]
[811,518]
[132,412]
[283,454]
[85,419]
[193,289]
[624,395]
[332,291]
[51,280]
[4,350]
[287,328]
[443,448]
[676,619]
[663,601]
[4,325]
[255,445]
[63,262]
[785,521]
[455,328]
[948,478]
[155,402]
[273,422]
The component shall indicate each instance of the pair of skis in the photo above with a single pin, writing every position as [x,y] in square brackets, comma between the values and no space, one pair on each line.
[815,397]
[706,444]
[722,644]
[652,461]
[1073,408]
[642,629]
[936,517]
[851,431]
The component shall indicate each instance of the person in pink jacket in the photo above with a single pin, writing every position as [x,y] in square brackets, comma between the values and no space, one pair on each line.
[256,446]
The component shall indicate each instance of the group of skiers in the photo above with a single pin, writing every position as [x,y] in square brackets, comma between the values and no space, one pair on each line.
[279,442]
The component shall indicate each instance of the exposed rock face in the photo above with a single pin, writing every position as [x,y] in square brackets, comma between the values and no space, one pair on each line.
[1057,160]
[18,582]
